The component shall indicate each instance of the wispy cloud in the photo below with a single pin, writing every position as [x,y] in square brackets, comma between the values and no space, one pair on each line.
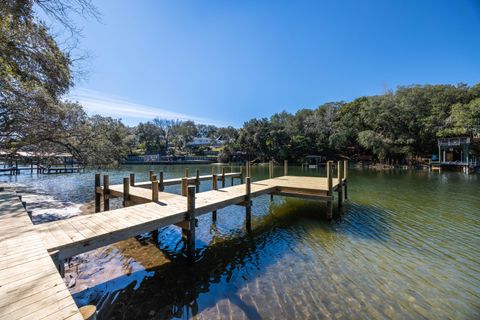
[131,113]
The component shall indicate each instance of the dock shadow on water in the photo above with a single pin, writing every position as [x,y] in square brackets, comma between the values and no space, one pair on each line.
[234,275]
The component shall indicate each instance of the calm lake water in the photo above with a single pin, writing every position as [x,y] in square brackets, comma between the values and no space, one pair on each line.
[406,247]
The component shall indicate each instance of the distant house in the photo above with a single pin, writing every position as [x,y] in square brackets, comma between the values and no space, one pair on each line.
[206,142]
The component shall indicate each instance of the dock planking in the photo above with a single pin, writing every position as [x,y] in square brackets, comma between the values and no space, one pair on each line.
[30,285]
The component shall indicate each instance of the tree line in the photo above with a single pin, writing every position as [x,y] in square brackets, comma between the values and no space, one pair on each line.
[36,73]
[395,126]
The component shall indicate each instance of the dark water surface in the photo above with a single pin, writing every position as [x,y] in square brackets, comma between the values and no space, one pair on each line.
[406,247]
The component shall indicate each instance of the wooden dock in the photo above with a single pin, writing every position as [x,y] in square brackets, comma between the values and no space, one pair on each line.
[30,285]
[146,209]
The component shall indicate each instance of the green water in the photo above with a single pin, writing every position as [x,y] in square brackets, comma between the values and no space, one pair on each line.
[407,246]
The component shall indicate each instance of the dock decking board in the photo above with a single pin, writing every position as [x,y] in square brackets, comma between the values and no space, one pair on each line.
[30,285]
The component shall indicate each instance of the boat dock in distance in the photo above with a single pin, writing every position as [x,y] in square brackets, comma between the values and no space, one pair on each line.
[147,207]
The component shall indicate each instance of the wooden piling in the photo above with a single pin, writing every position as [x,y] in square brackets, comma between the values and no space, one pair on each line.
[126,191]
[190,217]
[270,169]
[285,167]
[184,186]
[186,173]
[106,193]
[155,189]
[161,186]
[97,195]
[150,174]
[248,204]
[345,177]
[330,187]
[223,177]
[197,180]
[132,179]
[214,187]
[241,175]
[340,185]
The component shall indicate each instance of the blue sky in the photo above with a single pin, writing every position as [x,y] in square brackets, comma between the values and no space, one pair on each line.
[224,62]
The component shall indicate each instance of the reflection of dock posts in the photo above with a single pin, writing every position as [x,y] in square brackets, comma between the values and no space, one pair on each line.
[132,179]
[330,187]
[214,187]
[285,168]
[190,217]
[184,186]
[340,186]
[223,177]
[97,195]
[161,186]
[106,193]
[248,204]
[126,191]
[345,175]
[197,180]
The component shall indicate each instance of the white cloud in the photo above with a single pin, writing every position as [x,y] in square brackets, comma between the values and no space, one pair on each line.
[131,113]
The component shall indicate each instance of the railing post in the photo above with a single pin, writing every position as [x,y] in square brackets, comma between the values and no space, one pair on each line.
[132,179]
[186,173]
[285,167]
[190,217]
[248,204]
[184,186]
[345,177]
[126,191]
[270,173]
[106,193]
[97,195]
[154,188]
[161,186]
[340,184]
[223,177]
[214,187]
[197,180]
[330,187]
[241,175]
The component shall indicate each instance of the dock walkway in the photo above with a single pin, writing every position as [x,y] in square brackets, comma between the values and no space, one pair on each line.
[30,285]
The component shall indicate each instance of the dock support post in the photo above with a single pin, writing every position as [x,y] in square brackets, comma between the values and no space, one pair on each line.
[106,193]
[270,169]
[184,186]
[150,174]
[190,217]
[97,195]
[241,175]
[330,187]
[126,191]
[197,180]
[345,176]
[161,186]
[248,204]
[186,173]
[132,179]
[223,177]
[285,168]
[154,188]
[340,184]
[214,187]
